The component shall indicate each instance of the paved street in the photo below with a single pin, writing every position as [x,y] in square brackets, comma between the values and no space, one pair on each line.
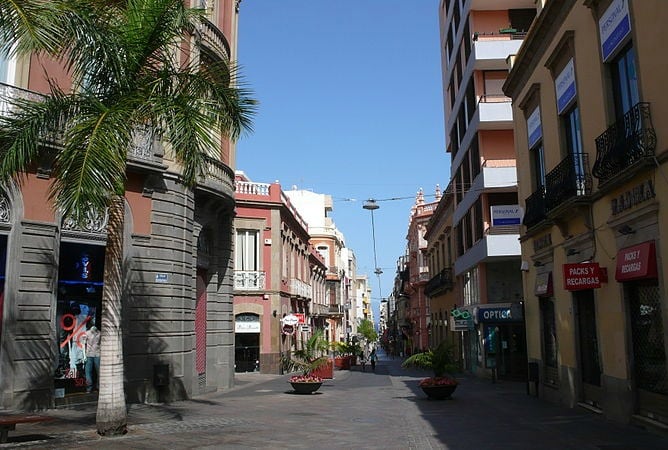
[385,409]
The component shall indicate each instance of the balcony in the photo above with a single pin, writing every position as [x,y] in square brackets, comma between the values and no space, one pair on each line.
[626,146]
[214,41]
[299,288]
[248,280]
[495,112]
[144,152]
[568,183]
[219,178]
[535,211]
[441,282]
[492,49]
[498,243]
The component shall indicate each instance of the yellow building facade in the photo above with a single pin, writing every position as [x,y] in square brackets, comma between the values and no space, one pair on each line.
[591,137]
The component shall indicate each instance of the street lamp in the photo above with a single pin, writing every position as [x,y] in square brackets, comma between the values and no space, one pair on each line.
[372,205]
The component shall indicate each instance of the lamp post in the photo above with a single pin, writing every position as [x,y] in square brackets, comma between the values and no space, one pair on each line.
[372,205]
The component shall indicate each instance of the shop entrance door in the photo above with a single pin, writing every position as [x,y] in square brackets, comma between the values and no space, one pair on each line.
[512,352]
[650,365]
[247,352]
[590,367]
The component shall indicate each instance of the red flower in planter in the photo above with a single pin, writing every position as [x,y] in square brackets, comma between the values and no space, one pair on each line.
[305,379]
[438,381]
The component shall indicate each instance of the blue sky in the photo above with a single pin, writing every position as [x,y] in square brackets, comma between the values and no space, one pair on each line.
[350,96]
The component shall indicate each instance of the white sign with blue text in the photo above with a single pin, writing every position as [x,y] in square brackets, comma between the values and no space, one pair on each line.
[506,215]
[565,86]
[534,128]
[614,25]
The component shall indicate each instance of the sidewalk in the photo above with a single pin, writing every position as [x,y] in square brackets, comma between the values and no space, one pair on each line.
[384,410]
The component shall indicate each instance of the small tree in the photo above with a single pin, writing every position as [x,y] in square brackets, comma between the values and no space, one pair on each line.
[311,357]
[367,330]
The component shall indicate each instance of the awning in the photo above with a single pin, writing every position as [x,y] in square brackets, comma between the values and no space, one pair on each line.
[543,286]
[637,262]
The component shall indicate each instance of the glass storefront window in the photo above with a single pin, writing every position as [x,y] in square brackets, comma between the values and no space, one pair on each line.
[80,276]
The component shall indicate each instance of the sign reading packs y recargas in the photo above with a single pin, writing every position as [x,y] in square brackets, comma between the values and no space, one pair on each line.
[582,276]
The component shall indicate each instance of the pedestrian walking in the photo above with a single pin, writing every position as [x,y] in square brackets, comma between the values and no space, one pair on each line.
[373,357]
[363,361]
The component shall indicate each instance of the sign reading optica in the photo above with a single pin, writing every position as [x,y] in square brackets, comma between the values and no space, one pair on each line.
[582,276]
[614,25]
[637,262]
[565,86]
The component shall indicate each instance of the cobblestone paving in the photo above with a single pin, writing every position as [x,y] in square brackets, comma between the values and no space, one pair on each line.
[357,410]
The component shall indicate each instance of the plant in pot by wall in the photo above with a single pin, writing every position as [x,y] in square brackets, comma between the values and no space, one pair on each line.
[441,362]
[311,357]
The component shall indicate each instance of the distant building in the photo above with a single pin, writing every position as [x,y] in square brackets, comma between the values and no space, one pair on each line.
[476,40]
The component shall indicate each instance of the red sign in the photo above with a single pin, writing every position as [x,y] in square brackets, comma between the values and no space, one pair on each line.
[637,262]
[582,276]
[301,317]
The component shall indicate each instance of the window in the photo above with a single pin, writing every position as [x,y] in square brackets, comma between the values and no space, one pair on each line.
[247,251]
[324,252]
[493,81]
[625,81]
[538,165]
[4,68]
[574,146]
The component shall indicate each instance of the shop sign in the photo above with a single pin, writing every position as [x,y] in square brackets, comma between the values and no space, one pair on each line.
[288,329]
[301,317]
[290,319]
[582,276]
[542,242]
[461,324]
[534,127]
[503,314]
[565,86]
[638,194]
[637,262]
[543,286]
[506,215]
[614,25]
[246,327]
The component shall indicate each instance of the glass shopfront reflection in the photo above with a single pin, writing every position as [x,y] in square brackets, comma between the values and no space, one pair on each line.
[80,276]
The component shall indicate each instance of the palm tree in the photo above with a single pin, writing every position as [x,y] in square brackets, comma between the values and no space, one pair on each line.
[128,73]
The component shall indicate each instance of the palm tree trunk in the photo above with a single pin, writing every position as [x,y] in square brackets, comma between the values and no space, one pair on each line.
[111,409]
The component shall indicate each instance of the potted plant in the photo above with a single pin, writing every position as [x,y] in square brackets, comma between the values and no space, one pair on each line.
[440,361]
[307,360]
[343,351]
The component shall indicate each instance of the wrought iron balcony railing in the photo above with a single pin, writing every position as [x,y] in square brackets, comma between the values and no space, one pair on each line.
[629,140]
[441,282]
[535,208]
[568,180]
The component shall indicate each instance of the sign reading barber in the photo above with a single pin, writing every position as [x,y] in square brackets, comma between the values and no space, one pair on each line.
[582,276]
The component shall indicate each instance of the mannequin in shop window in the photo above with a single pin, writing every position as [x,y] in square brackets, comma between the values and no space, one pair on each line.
[92,356]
